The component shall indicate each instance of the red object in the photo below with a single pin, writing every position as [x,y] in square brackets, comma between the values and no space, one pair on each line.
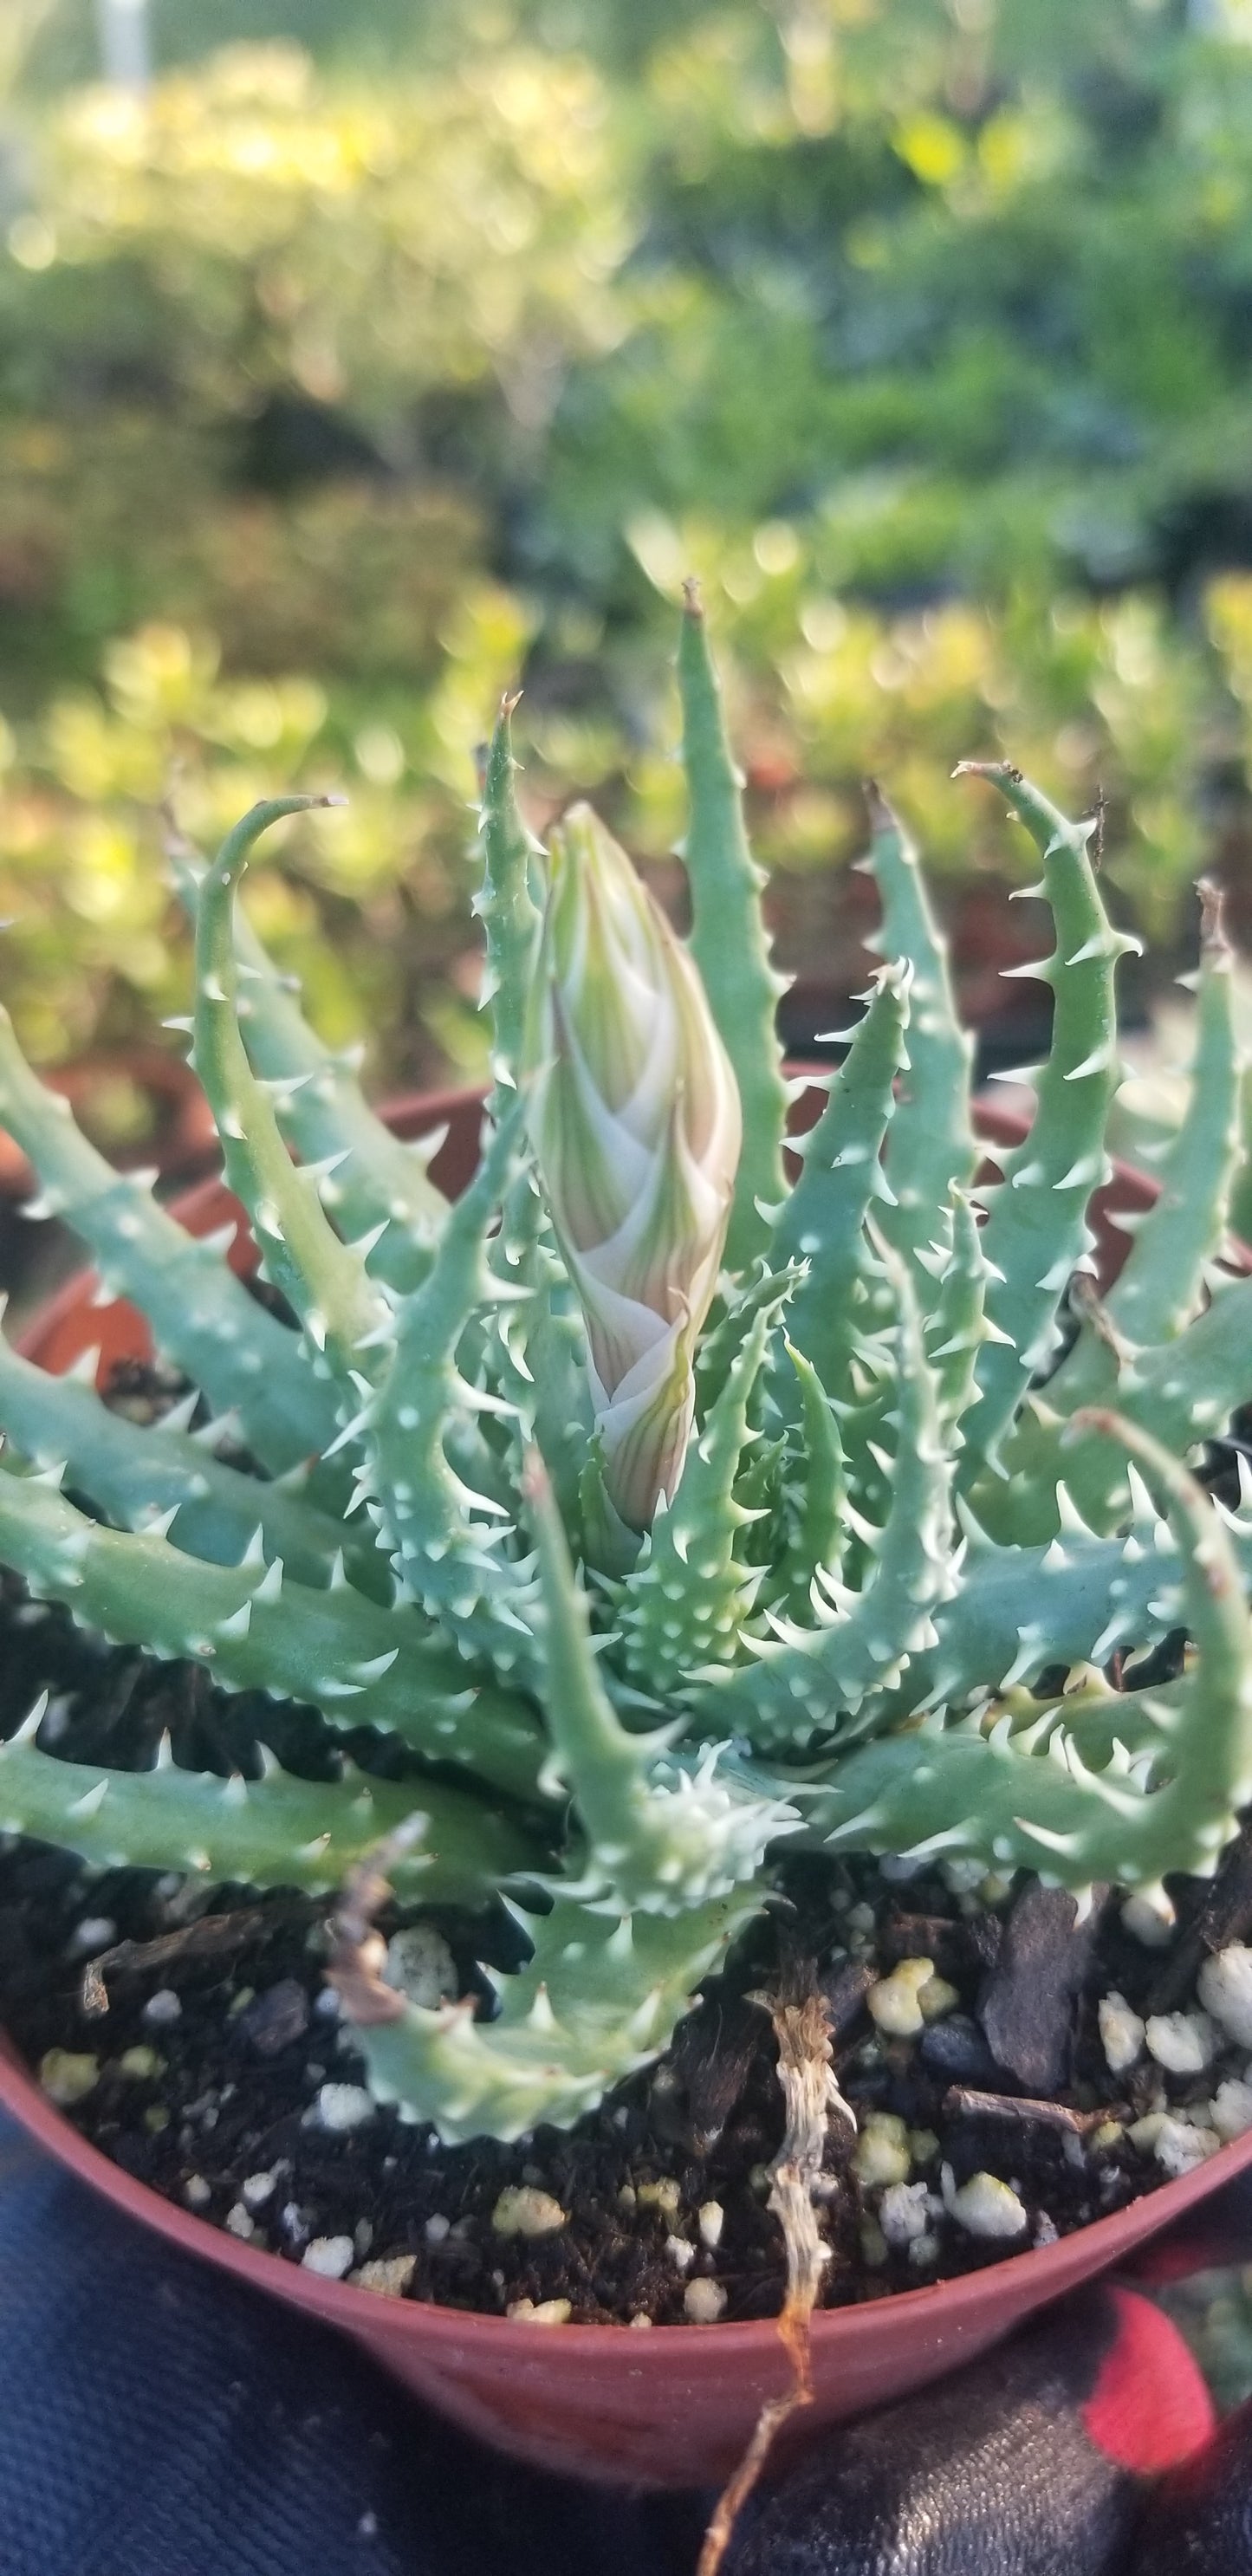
[674,2407]
[1150,2407]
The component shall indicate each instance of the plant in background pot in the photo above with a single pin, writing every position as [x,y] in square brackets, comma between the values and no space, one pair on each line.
[671,1541]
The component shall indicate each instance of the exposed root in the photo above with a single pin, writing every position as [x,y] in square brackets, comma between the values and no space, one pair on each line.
[811,2094]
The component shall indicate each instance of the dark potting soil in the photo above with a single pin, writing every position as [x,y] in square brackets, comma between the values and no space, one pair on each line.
[189,2035]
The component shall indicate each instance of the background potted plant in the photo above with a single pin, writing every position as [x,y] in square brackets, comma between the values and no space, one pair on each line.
[873,1567]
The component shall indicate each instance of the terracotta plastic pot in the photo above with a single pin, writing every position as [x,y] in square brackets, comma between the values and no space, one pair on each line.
[676,2406]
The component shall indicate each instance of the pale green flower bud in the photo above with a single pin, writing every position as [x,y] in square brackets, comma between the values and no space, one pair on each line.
[634,1118]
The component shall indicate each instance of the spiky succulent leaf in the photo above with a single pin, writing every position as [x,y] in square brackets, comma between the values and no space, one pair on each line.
[200,1314]
[684,1605]
[1037,1234]
[358,1663]
[366,1179]
[137,1475]
[728,941]
[805,1680]
[511,918]
[1029,1799]
[599,1998]
[660,1837]
[932,1148]
[278,1831]
[340,1308]
[822,1222]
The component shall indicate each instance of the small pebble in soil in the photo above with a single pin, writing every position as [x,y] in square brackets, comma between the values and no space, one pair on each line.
[389,2278]
[257,2188]
[276,2017]
[955,2048]
[239,2221]
[521,2210]
[984,2206]
[68,2075]
[340,2107]
[437,2228]
[1183,2043]
[681,2252]
[331,2256]
[95,1933]
[540,2312]
[1122,2033]
[162,2008]
[1027,2006]
[711,2218]
[704,2302]
[1225,1990]
[197,2192]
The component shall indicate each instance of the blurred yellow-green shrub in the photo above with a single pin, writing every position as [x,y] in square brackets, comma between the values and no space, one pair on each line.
[372,910]
[340,388]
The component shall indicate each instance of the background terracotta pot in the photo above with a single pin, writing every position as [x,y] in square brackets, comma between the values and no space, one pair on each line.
[674,2407]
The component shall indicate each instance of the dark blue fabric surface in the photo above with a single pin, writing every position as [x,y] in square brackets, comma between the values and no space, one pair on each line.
[157,2419]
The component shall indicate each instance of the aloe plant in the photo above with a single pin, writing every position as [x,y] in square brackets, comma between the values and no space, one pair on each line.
[670,1515]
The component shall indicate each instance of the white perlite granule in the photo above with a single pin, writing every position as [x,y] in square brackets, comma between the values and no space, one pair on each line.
[904,2212]
[343,2106]
[1183,2043]
[197,2192]
[895,2002]
[163,2007]
[332,2256]
[1122,2033]
[539,2312]
[420,1965]
[68,2076]
[883,2153]
[1225,1990]
[681,2253]
[1150,1920]
[704,2302]
[1178,2145]
[256,2188]
[711,2218]
[1230,2111]
[984,2206]
[239,2222]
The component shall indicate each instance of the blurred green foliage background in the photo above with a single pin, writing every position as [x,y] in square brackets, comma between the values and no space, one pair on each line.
[379,354]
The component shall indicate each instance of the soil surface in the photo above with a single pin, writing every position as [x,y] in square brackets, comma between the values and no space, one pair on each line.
[189,2034]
